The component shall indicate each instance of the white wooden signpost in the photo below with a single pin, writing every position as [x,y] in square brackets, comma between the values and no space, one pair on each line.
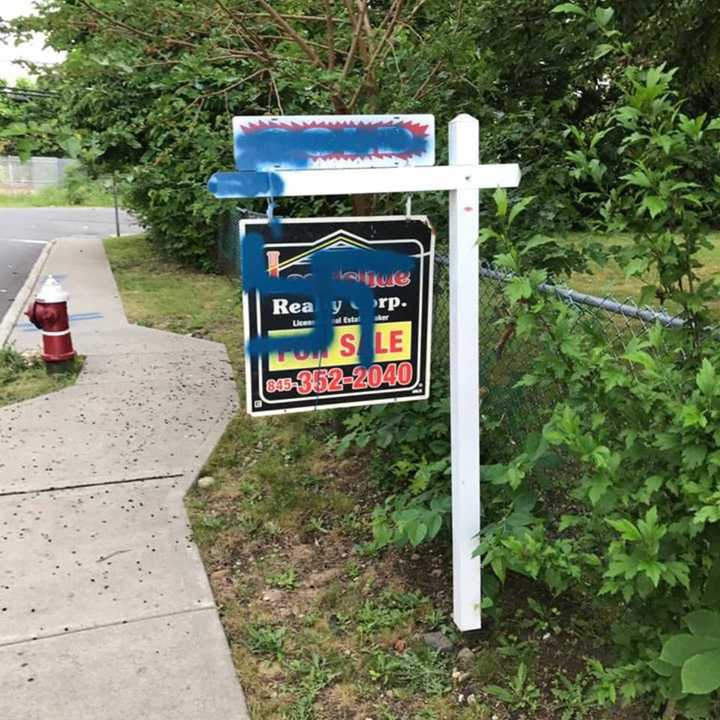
[463,177]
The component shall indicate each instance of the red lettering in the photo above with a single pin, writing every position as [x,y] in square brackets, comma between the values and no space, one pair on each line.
[379,349]
[373,280]
[273,261]
[396,341]
[347,345]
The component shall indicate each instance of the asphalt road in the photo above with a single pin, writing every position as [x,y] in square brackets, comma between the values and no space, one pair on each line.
[24,231]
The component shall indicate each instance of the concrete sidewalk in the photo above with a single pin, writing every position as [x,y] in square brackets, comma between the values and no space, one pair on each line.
[105,609]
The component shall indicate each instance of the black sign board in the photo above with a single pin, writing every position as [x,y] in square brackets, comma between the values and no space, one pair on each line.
[292,381]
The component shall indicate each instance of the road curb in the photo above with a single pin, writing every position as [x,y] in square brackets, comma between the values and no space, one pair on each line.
[11,317]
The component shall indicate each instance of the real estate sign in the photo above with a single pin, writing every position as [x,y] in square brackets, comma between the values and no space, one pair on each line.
[295,380]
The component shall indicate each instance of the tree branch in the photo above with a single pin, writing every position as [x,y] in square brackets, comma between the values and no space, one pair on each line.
[420,92]
[321,46]
[414,11]
[392,19]
[250,36]
[363,12]
[330,32]
[290,16]
[232,86]
[357,30]
[131,28]
[314,57]
[277,94]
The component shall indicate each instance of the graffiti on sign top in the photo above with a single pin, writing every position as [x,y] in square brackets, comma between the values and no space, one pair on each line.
[322,142]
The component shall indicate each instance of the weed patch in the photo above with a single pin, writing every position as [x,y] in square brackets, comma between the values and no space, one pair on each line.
[23,377]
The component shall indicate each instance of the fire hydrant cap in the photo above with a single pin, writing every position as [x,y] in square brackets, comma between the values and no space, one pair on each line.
[51,292]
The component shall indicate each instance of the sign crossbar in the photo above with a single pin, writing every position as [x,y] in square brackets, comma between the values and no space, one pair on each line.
[294,183]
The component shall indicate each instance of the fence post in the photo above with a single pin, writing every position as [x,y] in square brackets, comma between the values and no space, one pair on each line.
[464,378]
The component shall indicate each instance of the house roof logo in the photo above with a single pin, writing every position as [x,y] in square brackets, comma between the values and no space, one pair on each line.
[338,240]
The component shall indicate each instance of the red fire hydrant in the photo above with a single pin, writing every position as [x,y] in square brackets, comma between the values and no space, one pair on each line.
[49,314]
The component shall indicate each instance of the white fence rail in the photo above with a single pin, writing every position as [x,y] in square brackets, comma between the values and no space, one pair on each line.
[35,174]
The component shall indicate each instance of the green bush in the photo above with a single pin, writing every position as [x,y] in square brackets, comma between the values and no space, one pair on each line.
[414,440]
[617,498]
[637,422]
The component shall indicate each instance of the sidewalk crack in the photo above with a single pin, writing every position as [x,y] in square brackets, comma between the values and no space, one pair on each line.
[116,623]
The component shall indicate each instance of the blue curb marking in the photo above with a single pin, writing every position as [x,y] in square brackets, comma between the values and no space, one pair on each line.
[29,327]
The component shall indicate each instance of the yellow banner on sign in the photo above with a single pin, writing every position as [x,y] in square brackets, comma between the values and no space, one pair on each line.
[392,341]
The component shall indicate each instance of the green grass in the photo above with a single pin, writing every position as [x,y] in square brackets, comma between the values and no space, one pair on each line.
[23,378]
[160,294]
[318,629]
[86,195]
[610,280]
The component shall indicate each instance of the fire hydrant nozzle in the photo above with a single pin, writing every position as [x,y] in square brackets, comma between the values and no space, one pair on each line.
[49,314]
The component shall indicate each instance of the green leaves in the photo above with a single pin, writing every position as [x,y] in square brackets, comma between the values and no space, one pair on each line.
[638,178]
[704,623]
[706,379]
[602,50]
[701,673]
[695,654]
[692,416]
[626,529]
[603,16]
[569,8]
[519,207]
[501,202]
[71,145]
[636,266]
[519,288]
[680,648]
[654,205]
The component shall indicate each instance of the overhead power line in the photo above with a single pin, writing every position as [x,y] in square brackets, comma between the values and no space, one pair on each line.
[21,94]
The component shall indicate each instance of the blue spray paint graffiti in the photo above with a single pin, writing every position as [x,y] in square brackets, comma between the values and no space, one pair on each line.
[322,289]
[263,146]
[246,184]
[270,146]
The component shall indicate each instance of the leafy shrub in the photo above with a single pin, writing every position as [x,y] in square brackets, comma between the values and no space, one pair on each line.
[618,496]
[12,363]
[637,422]
[416,438]
[80,189]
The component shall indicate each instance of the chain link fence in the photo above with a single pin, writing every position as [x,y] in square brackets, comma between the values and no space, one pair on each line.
[35,174]
[511,410]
